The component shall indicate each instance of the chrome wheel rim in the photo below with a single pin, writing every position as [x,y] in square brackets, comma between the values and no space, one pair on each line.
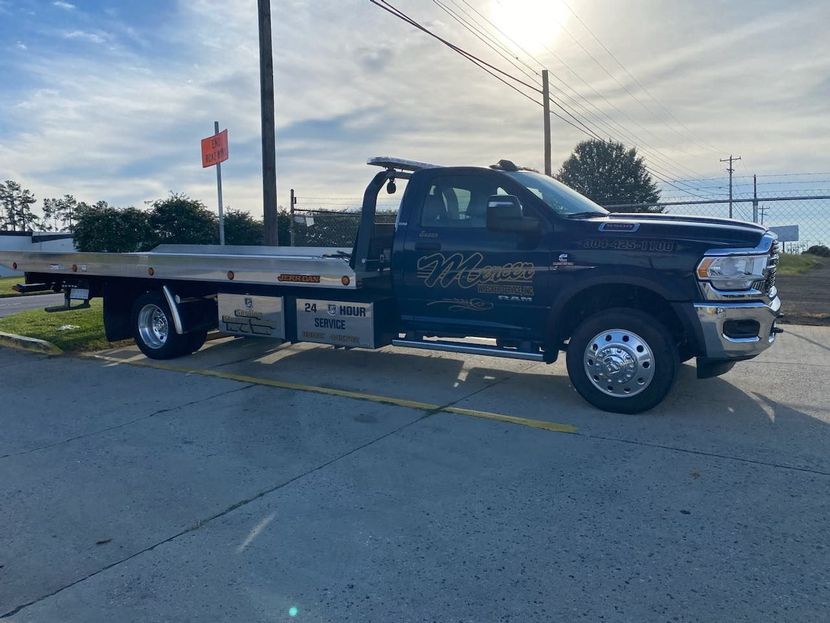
[153,326]
[619,363]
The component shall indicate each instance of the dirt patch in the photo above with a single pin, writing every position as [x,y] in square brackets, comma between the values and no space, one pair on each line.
[805,298]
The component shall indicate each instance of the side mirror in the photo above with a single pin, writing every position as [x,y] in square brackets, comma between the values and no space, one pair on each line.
[504,213]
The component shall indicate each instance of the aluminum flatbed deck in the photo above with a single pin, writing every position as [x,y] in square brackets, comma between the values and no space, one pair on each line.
[312,267]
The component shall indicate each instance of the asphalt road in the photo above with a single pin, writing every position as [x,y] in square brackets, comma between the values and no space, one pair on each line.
[257,483]
[14,304]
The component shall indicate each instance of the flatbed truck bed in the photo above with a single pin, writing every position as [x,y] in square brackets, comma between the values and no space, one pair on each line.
[312,267]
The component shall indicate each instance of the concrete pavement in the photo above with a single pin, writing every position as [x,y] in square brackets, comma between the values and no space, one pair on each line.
[137,494]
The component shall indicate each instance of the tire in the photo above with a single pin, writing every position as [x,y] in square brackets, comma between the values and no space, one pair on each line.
[686,355]
[196,340]
[153,330]
[631,356]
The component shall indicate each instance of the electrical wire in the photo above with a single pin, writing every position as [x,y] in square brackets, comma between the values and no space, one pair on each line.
[605,70]
[489,41]
[480,63]
[475,32]
[644,146]
[390,8]
[637,82]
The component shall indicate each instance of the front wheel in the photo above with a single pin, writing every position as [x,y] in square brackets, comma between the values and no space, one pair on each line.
[622,360]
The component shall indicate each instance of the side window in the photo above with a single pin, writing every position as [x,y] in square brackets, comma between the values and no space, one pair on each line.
[459,202]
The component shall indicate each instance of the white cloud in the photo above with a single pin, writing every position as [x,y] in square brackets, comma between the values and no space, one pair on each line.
[21,46]
[66,6]
[82,35]
[355,83]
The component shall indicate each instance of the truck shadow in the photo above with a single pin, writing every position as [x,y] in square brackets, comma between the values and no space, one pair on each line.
[516,388]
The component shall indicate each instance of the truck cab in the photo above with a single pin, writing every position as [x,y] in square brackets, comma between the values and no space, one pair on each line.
[510,254]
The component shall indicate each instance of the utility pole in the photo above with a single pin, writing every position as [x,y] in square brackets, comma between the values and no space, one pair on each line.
[731,170]
[754,198]
[292,203]
[269,147]
[546,107]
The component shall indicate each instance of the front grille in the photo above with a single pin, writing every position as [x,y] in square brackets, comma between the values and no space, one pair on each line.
[772,268]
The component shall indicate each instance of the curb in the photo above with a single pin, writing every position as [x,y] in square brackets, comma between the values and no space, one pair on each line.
[30,344]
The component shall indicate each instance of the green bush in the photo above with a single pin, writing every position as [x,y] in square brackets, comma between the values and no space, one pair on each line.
[242,228]
[182,220]
[819,250]
[116,230]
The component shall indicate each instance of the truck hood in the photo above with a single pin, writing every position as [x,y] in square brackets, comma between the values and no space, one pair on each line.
[718,232]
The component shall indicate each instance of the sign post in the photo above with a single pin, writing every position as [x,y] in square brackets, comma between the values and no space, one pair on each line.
[214,153]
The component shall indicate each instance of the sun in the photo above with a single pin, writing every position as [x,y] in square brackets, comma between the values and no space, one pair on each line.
[531,24]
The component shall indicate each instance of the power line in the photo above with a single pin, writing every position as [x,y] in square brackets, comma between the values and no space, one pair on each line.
[614,127]
[654,153]
[490,42]
[598,63]
[604,69]
[475,32]
[482,64]
[656,172]
[636,81]
[390,8]
[784,174]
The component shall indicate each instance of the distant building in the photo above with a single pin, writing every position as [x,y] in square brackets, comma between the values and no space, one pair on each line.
[33,241]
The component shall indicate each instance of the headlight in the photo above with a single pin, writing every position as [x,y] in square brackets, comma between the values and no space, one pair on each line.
[733,272]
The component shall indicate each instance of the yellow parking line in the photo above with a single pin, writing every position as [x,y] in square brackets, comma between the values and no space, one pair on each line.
[511,419]
[344,393]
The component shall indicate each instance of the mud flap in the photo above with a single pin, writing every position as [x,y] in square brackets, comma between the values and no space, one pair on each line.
[708,368]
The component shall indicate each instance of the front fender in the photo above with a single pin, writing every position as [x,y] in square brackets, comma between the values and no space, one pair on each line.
[671,289]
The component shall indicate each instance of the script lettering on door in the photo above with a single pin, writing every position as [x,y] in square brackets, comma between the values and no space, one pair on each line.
[469,271]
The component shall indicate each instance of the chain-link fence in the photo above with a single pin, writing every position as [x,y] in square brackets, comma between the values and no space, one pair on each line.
[801,222]
[804,221]
[333,222]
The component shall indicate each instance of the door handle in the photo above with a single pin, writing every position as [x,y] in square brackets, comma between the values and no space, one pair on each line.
[427,246]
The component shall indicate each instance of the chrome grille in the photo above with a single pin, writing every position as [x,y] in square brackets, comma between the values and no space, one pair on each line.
[772,267]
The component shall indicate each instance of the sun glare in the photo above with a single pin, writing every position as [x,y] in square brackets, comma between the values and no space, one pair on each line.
[531,24]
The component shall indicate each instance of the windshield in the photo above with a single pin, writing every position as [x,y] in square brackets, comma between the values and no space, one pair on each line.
[560,198]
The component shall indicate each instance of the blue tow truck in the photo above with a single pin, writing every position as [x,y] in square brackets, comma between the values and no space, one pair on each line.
[499,261]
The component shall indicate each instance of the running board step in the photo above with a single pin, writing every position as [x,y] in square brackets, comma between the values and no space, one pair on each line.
[469,349]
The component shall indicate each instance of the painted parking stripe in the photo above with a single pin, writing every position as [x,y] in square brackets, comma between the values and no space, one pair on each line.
[345,393]
[512,419]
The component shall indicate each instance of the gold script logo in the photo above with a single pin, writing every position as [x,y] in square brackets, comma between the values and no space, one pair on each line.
[443,271]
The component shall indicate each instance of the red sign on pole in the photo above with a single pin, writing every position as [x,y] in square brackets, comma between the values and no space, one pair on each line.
[215,149]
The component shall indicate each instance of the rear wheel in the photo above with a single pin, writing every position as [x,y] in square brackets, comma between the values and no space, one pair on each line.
[196,339]
[153,329]
[622,360]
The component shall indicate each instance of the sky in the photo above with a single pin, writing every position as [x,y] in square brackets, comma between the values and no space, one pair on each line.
[108,100]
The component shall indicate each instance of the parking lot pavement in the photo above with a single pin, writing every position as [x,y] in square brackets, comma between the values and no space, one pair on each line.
[139,494]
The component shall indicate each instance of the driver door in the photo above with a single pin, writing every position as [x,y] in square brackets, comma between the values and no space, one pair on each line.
[462,278]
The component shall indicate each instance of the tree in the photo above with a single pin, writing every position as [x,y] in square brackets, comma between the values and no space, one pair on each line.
[16,203]
[182,220]
[115,230]
[242,228]
[59,213]
[283,227]
[819,249]
[608,173]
